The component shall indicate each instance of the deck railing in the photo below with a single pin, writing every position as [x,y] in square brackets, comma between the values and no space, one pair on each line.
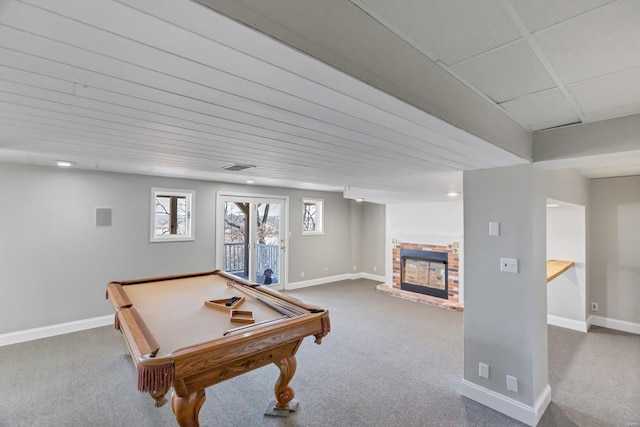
[267,256]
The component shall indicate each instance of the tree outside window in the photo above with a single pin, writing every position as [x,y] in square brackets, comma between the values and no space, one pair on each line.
[312,216]
[171,215]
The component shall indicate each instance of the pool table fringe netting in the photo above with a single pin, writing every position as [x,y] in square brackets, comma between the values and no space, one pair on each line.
[156,380]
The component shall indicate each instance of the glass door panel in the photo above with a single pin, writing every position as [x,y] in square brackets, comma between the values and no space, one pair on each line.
[268,242]
[236,238]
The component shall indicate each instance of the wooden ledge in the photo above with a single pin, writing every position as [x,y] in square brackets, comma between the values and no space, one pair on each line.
[556,267]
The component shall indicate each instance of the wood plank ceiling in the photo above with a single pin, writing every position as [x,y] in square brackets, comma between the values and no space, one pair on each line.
[173,88]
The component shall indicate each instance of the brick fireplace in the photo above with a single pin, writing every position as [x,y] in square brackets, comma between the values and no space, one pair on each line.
[452,262]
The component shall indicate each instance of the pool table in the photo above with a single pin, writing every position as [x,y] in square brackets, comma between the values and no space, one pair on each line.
[192,331]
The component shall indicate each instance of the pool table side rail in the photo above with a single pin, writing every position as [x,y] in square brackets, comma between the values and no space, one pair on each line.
[163,278]
[136,332]
[117,296]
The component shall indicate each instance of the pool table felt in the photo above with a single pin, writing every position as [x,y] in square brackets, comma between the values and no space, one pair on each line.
[175,313]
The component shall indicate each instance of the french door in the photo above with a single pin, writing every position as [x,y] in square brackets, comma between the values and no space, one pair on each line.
[251,237]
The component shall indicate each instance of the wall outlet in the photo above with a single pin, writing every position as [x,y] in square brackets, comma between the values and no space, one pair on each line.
[375,268]
[326,269]
[354,268]
[594,306]
[512,383]
[302,274]
[483,370]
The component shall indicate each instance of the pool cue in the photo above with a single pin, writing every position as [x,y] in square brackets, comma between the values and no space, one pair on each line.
[280,310]
[240,328]
[288,307]
[273,303]
[278,301]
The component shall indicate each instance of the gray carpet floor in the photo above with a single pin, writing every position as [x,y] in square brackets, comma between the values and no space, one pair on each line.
[386,362]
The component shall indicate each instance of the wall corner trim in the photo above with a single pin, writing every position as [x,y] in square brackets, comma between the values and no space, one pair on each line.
[529,415]
[53,330]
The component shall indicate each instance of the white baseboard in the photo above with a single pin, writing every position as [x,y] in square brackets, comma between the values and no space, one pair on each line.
[320,281]
[530,415]
[330,279]
[370,276]
[618,325]
[53,330]
[563,322]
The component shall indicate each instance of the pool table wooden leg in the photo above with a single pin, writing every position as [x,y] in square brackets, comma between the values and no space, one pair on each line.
[188,408]
[283,392]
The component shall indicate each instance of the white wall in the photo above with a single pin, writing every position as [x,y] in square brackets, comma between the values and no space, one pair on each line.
[311,254]
[566,240]
[372,248]
[568,186]
[505,314]
[614,255]
[437,222]
[55,262]
[436,218]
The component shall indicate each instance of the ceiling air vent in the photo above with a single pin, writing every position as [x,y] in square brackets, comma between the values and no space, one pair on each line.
[236,168]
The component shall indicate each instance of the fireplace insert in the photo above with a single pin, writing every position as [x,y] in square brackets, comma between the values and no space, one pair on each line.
[425,272]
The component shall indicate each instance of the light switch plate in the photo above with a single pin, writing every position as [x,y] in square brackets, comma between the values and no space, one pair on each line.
[494,228]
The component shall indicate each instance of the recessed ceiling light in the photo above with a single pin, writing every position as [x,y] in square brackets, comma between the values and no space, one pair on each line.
[453,194]
[359,200]
[64,163]
[250,181]
[553,206]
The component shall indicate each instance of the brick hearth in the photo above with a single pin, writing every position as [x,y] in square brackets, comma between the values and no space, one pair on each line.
[416,297]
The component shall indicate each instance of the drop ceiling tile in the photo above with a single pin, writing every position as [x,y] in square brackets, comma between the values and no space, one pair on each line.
[540,14]
[446,30]
[541,110]
[613,95]
[506,73]
[598,42]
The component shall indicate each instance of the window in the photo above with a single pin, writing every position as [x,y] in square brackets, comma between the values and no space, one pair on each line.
[312,216]
[172,215]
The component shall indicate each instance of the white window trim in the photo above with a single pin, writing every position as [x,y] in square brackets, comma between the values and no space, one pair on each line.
[319,218]
[191,208]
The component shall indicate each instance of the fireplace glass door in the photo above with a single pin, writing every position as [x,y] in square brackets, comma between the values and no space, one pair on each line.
[425,273]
